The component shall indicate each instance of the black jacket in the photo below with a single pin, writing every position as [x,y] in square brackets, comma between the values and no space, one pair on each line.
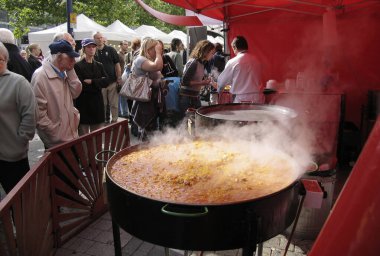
[34,62]
[90,101]
[18,64]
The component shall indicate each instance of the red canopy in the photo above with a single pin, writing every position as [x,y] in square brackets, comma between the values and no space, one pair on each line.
[241,9]
[292,36]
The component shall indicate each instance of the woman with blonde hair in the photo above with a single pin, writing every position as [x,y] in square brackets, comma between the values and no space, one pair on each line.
[149,62]
[34,51]
[93,78]
[195,75]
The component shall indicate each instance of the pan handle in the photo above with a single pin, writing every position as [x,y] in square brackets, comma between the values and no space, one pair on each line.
[165,210]
[103,152]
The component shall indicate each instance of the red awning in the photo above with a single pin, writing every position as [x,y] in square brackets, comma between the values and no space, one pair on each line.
[238,9]
[172,19]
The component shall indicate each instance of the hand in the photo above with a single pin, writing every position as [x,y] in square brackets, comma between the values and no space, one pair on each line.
[87,81]
[214,84]
[206,81]
[158,48]
[118,81]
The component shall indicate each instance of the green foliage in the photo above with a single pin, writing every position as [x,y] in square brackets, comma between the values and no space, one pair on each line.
[26,13]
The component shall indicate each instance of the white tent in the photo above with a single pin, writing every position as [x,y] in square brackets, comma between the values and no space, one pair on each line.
[120,31]
[217,39]
[180,35]
[119,27]
[85,29]
[150,31]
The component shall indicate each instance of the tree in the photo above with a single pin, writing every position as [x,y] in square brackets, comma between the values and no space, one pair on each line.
[26,13]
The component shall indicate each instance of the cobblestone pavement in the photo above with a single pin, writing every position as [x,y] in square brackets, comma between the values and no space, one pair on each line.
[97,239]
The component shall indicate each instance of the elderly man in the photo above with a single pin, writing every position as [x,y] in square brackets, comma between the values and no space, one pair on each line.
[243,73]
[16,63]
[62,36]
[108,56]
[65,36]
[55,85]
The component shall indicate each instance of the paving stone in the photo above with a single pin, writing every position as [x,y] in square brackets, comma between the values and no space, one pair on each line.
[176,252]
[67,252]
[89,233]
[284,242]
[124,238]
[303,246]
[131,246]
[78,244]
[146,247]
[273,242]
[105,237]
[155,251]
[289,253]
[276,252]
[102,224]
[267,252]
[63,252]
[100,249]
[106,216]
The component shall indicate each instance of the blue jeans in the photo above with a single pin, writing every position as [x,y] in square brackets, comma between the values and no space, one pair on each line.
[123,101]
[123,107]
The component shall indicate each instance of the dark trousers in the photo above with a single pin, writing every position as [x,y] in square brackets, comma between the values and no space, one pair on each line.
[186,102]
[108,113]
[12,172]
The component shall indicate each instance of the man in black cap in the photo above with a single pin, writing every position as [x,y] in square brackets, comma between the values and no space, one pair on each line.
[55,86]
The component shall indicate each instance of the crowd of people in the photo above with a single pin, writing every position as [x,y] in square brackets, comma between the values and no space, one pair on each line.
[65,94]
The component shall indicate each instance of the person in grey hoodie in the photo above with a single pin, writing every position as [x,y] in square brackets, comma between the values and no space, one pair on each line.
[17,123]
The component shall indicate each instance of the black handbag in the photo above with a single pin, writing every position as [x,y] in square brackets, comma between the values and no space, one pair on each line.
[169,69]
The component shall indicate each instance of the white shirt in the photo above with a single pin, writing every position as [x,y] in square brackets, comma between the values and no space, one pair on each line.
[243,73]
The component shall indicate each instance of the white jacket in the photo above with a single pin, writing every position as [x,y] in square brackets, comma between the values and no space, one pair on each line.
[243,73]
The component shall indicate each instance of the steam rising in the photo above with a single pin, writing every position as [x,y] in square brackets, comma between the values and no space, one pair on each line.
[261,140]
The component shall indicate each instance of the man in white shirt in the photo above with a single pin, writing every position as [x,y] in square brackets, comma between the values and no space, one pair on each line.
[243,73]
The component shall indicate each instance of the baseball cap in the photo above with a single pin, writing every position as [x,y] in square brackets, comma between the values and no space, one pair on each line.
[62,46]
[88,41]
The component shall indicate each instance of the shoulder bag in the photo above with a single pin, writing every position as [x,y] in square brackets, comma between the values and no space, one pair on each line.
[137,87]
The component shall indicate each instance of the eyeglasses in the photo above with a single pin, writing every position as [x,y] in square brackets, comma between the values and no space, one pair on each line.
[3,61]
